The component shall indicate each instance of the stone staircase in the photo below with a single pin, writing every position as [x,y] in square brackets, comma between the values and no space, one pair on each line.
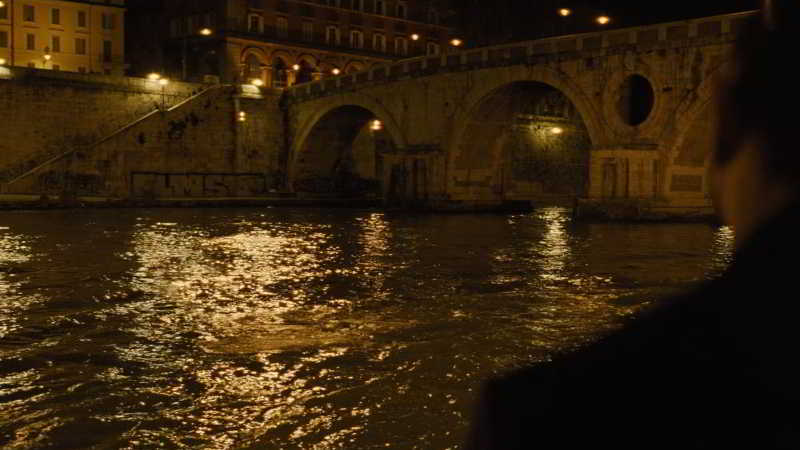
[21,170]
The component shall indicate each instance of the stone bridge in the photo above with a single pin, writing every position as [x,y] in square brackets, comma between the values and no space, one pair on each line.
[620,118]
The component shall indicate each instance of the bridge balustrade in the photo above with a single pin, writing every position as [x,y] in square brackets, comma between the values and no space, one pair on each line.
[587,45]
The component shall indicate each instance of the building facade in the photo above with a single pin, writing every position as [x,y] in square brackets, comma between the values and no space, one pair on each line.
[283,42]
[76,36]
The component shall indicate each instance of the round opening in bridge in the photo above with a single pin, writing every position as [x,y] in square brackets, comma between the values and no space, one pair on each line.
[636,100]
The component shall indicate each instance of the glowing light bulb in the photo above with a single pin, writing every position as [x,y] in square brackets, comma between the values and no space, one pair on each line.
[415,37]
[257,82]
[206,32]
[376,125]
[603,20]
[153,76]
[564,12]
[556,130]
[456,42]
[336,71]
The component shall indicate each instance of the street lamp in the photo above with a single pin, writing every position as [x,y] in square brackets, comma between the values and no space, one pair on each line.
[2,60]
[456,42]
[603,20]
[336,71]
[163,82]
[565,12]
[415,37]
[556,130]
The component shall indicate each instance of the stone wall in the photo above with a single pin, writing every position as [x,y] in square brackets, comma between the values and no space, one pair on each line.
[109,139]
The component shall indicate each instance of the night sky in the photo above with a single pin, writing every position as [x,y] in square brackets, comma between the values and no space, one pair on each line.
[510,20]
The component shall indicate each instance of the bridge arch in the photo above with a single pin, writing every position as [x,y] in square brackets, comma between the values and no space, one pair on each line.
[688,153]
[342,138]
[512,113]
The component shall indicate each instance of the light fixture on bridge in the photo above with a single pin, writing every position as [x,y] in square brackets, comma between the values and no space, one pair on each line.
[565,12]
[296,67]
[206,31]
[456,42]
[415,37]
[242,116]
[47,55]
[336,71]
[603,20]
[376,125]
[556,130]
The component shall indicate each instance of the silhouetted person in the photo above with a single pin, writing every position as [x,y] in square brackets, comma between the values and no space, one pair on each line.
[716,368]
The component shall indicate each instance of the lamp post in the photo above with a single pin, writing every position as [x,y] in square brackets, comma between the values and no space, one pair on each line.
[201,32]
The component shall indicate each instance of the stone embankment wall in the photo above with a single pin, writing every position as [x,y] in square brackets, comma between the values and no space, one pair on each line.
[70,135]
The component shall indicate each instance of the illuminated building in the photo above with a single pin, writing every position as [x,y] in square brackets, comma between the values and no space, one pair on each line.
[283,42]
[76,36]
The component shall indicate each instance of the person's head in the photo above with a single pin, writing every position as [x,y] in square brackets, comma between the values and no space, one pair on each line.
[756,165]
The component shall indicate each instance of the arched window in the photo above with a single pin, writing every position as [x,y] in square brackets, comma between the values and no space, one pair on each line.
[379,42]
[433,49]
[433,16]
[402,10]
[356,39]
[380,7]
[252,68]
[282,27]
[332,35]
[255,23]
[306,72]
[401,46]
[280,74]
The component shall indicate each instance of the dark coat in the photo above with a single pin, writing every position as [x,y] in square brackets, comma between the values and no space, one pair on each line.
[712,369]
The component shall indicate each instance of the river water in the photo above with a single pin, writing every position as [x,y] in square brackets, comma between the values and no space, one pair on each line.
[300,328]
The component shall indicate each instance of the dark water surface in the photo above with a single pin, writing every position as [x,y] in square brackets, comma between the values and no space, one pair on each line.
[310,329]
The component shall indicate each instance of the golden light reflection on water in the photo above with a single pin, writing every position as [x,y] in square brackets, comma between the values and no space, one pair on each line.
[554,245]
[311,330]
[14,253]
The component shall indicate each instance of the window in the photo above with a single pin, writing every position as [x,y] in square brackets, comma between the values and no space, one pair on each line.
[401,10]
[56,67]
[3,39]
[433,16]
[106,51]
[56,44]
[380,7]
[80,46]
[356,39]
[4,13]
[332,35]
[255,23]
[282,25]
[358,5]
[335,3]
[401,46]
[433,48]
[30,41]
[28,13]
[256,4]
[55,16]
[82,69]
[379,42]
[308,31]
[32,65]
[108,21]
[82,19]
